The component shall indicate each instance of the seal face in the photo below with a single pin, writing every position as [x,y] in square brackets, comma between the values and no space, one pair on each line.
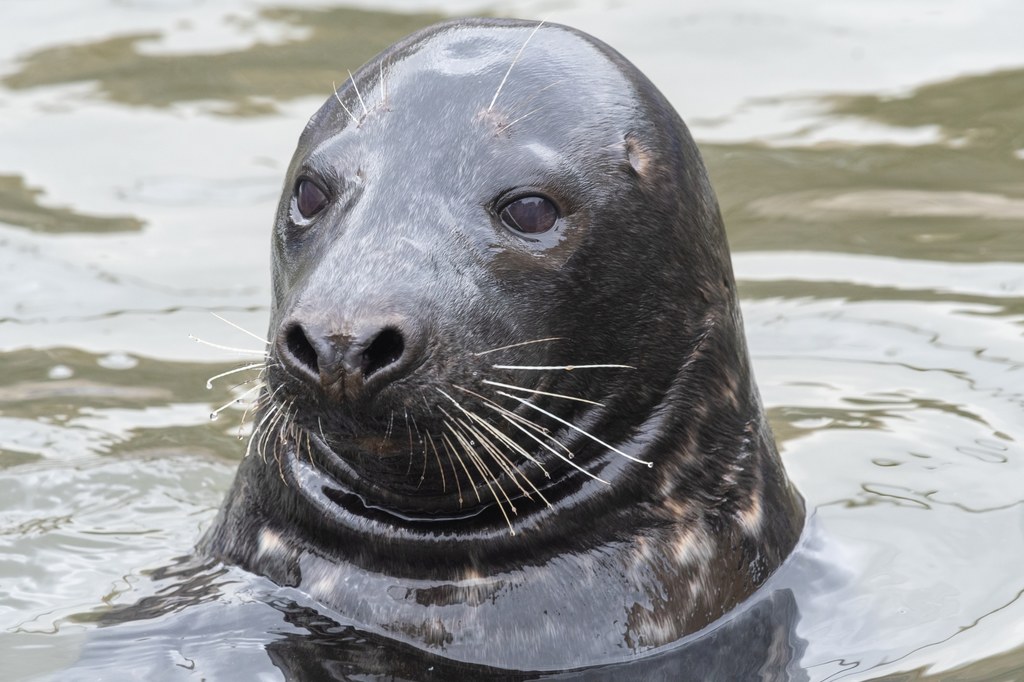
[508,412]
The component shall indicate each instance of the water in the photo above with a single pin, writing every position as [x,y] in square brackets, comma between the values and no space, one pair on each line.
[869,159]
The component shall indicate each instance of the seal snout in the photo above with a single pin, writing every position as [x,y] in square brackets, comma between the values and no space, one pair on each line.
[349,367]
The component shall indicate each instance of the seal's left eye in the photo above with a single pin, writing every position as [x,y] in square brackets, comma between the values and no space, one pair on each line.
[530,215]
[309,198]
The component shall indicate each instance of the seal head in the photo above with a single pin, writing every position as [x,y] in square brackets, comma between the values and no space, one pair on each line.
[509,415]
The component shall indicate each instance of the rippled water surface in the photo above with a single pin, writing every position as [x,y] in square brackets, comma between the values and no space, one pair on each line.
[869,159]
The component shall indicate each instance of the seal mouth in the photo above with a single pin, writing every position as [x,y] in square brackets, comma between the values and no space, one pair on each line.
[346,501]
[404,498]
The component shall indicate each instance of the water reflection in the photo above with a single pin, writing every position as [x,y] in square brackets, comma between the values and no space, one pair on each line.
[21,205]
[246,82]
[882,288]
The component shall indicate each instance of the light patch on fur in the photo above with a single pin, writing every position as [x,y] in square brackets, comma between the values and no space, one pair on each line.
[693,547]
[674,507]
[752,517]
[655,629]
[270,544]
[696,587]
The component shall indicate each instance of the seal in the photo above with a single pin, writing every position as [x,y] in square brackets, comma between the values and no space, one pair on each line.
[507,413]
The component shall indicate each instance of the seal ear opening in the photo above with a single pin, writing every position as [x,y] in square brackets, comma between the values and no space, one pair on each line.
[638,156]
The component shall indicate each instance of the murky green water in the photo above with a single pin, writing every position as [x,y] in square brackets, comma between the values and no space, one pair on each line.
[869,159]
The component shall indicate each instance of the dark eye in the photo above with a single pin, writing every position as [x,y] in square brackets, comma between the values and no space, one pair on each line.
[530,215]
[309,198]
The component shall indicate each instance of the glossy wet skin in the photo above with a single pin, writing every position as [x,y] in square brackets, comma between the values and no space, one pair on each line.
[414,236]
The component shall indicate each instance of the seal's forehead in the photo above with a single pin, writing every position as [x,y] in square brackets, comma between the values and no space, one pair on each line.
[525,77]
[522,51]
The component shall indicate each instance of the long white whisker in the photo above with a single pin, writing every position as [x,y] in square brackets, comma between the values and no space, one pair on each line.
[508,125]
[577,429]
[501,460]
[275,409]
[552,450]
[499,435]
[440,469]
[409,430]
[241,329]
[245,414]
[247,351]
[338,97]
[469,476]
[530,390]
[366,112]
[516,345]
[482,467]
[256,434]
[451,463]
[510,66]
[519,418]
[512,418]
[209,382]
[233,401]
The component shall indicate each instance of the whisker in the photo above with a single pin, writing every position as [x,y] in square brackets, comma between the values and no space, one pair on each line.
[470,451]
[256,429]
[451,463]
[409,430]
[510,66]
[468,448]
[240,328]
[516,345]
[464,468]
[338,97]
[577,429]
[444,486]
[250,406]
[233,401]
[530,390]
[209,382]
[554,452]
[387,434]
[284,433]
[518,417]
[506,126]
[262,433]
[499,435]
[261,446]
[247,351]
[419,439]
[567,368]
[503,463]
[366,112]
[530,99]
[258,377]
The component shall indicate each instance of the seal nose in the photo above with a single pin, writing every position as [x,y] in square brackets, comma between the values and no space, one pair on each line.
[348,367]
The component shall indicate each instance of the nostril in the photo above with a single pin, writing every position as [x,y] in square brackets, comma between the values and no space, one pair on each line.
[301,349]
[386,349]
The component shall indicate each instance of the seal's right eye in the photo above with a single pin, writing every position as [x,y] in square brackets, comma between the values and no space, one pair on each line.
[529,215]
[309,198]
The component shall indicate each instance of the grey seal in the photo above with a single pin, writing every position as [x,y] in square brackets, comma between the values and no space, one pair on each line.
[507,415]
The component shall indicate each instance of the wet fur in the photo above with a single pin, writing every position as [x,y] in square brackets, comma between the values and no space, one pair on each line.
[639,275]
